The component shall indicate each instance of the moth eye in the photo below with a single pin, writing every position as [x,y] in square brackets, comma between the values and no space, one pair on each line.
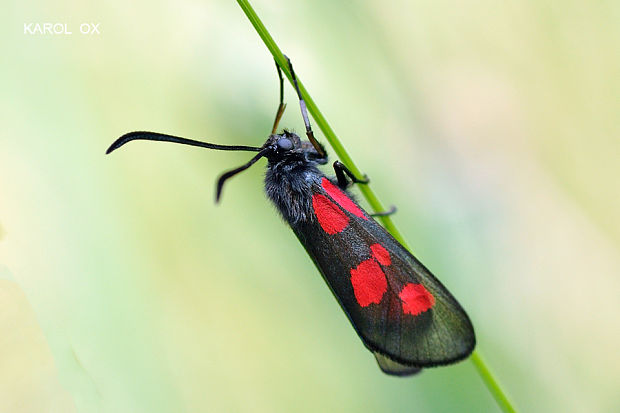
[285,144]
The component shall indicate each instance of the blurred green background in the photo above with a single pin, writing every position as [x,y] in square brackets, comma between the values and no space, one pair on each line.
[123,288]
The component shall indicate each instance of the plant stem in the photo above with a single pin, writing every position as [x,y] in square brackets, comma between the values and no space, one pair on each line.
[485,374]
[491,382]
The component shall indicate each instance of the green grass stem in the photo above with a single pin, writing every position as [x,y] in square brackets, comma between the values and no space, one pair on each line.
[481,367]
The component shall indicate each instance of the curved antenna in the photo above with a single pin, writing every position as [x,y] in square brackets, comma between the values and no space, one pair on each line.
[226,175]
[154,136]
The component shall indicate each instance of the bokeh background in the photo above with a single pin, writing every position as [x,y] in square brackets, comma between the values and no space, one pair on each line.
[493,126]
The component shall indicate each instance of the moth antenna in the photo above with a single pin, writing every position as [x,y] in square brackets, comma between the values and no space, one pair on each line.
[162,137]
[304,114]
[226,175]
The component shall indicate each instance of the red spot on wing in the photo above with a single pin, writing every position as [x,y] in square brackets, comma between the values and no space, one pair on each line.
[369,283]
[341,198]
[381,254]
[330,216]
[416,299]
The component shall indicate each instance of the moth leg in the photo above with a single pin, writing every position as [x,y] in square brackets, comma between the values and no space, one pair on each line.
[322,154]
[341,170]
[282,105]
[390,211]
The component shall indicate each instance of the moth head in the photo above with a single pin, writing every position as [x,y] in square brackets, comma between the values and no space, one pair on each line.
[289,146]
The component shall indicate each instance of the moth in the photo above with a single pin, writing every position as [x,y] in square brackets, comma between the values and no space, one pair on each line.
[400,311]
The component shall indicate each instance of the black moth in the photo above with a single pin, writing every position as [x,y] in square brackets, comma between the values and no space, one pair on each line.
[402,313]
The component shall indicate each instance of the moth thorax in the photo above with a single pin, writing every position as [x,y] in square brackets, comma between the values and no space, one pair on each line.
[290,188]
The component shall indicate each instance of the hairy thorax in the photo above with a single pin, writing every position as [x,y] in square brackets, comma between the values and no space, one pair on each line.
[290,186]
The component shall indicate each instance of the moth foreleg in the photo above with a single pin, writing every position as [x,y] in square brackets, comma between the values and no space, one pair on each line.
[341,175]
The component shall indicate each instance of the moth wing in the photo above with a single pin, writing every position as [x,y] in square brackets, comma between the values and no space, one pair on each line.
[398,308]
[395,369]
[417,322]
